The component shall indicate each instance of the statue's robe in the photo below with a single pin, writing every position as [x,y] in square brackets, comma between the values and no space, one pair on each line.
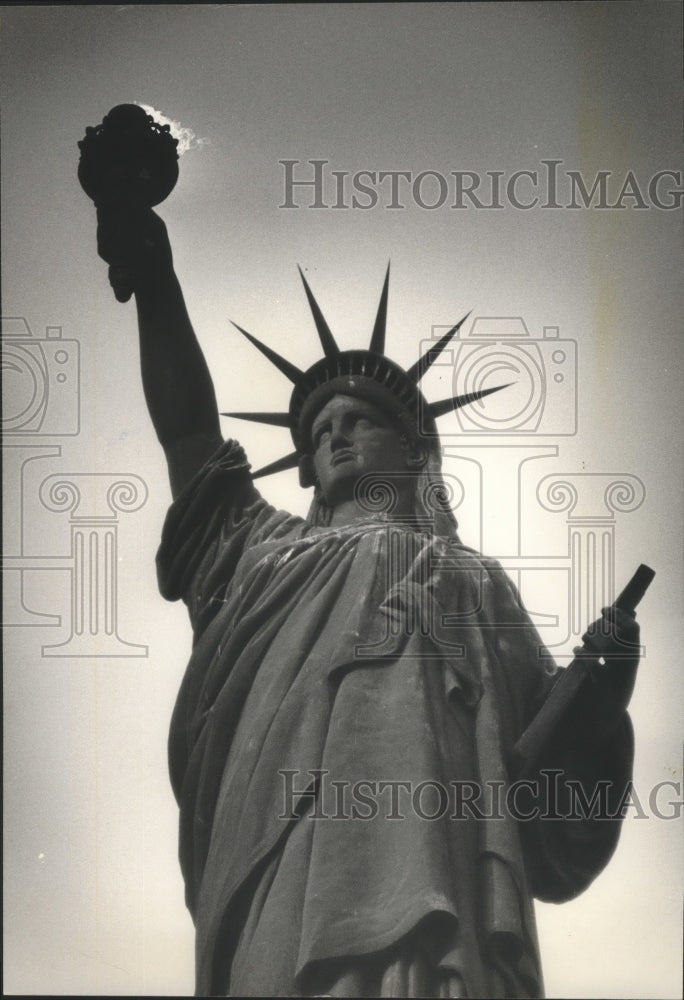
[368,653]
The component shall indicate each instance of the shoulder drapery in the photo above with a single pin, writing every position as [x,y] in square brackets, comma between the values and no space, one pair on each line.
[371,653]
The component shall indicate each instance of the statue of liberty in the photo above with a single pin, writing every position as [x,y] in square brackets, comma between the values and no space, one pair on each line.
[357,682]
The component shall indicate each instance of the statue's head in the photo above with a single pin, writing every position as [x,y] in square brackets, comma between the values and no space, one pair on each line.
[356,414]
[352,439]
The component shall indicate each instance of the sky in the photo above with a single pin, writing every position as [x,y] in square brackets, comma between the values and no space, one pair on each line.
[581,303]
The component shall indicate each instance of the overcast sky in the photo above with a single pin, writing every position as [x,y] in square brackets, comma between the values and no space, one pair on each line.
[93,895]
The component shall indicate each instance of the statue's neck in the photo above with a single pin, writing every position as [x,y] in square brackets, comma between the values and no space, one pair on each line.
[350,511]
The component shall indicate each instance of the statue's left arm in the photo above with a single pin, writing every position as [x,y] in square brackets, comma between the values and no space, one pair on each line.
[585,771]
[577,791]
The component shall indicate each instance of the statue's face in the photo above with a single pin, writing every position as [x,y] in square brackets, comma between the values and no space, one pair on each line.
[351,438]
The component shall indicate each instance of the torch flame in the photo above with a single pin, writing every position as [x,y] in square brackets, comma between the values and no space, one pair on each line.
[186,137]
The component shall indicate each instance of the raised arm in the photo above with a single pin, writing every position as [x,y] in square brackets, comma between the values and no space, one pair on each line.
[178,387]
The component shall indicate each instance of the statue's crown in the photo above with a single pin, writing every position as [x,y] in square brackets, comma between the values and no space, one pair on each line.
[365,373]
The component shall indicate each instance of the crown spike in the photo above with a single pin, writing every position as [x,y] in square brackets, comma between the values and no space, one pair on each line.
[290,461]
[330,347]
[417,370]
[377,343]
[275,419]
[443,406]
[288,369]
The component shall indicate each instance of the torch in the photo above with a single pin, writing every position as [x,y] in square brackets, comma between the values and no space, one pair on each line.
[128,164]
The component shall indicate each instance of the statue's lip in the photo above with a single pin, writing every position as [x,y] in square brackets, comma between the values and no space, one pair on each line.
[342,456]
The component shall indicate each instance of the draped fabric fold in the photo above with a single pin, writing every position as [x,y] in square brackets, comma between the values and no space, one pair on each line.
[331,662]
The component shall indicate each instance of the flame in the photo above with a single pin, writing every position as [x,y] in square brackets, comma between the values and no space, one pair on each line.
[186,137]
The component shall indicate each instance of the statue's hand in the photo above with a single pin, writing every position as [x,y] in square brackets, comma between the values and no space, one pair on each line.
[135,244]
[611,646]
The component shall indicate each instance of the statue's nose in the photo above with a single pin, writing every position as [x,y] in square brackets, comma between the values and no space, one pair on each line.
[338,438]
